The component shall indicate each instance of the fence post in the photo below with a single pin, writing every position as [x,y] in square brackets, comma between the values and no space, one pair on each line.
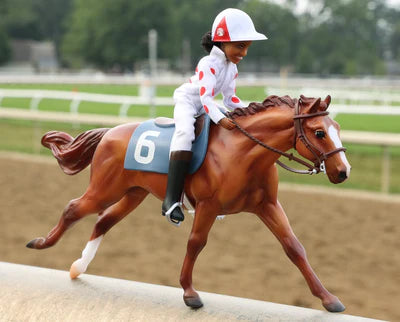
[385,185]
[34,106]
[153,69]
[123,110]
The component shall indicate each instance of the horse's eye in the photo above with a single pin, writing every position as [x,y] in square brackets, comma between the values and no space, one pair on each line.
[319,134]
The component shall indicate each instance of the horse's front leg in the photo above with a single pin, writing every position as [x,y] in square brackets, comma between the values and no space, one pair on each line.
[275,218]
[203,221]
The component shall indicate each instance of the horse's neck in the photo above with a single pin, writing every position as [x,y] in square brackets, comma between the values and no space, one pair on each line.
[273,127]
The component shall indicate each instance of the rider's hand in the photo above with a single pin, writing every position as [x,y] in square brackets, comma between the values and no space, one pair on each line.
[227,123]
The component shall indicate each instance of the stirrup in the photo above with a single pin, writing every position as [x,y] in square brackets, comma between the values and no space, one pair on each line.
[174,222]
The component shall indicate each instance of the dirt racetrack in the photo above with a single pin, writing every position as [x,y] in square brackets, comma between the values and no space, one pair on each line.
[352,243]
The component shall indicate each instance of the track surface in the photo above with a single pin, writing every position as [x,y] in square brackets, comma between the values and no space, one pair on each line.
[352,242]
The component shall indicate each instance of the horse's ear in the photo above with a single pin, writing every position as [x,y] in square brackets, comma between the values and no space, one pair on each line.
[325,103]
[312,107]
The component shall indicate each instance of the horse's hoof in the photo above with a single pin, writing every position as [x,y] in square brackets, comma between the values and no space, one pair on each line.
[193,302]
[74,272]
[35,243]
[336,306]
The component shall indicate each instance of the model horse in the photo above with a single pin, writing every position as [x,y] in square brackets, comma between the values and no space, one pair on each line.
[238,175]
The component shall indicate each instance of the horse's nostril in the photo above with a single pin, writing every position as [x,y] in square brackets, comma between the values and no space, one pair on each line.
[342,175]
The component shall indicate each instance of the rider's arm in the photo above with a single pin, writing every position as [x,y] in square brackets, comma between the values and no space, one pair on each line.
[207,82]
[231,101]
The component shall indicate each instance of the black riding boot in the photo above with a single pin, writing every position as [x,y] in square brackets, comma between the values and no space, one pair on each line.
[178,167]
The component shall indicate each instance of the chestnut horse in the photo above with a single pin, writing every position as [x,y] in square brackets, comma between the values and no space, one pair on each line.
[237,175]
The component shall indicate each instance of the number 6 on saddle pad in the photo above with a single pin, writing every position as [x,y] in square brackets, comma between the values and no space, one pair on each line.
[148,147]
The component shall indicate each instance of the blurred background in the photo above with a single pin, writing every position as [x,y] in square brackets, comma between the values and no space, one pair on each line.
[73,65]
[323,38]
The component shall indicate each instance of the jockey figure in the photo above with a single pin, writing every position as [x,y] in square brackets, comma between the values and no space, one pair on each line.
[232,34]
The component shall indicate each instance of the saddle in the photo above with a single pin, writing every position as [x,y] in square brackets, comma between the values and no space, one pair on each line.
[148,147]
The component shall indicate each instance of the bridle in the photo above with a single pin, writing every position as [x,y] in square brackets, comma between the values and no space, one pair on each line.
[299,134]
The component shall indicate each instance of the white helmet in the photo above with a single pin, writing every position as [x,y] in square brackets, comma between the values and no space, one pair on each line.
[234,25]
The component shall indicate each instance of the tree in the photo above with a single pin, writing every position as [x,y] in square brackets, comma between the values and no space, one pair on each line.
[392,39]
[113,33]
[343,38]
[192,20]
[280,25]
[5,50]
[335,37]
[51,15]
[19,19]
[35,20]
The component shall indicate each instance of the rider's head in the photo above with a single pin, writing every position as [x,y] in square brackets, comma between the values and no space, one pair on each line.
[232,27]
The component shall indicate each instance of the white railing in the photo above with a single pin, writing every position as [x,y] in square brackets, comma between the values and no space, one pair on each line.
[39,294]
[76,98]
[126,102]
[355,101]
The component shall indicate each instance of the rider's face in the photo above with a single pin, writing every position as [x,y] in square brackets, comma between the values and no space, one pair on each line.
[235,50]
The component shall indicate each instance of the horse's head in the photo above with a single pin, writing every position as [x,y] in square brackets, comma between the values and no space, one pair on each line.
[318,140]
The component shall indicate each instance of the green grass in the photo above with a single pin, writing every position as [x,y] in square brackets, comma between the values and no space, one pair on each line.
[24,136]
[54,105]
[131,90]
[22,103]
[374,123]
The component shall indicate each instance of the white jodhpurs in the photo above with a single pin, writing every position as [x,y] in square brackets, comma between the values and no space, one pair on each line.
[185,117]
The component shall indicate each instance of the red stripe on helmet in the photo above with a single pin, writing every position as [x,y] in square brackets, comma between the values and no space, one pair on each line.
[221,32]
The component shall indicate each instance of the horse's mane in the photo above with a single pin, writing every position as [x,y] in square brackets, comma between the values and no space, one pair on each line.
[254,107]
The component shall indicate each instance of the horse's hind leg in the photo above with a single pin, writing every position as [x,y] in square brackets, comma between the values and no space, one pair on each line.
[275,219]
[107,219]
[75,210]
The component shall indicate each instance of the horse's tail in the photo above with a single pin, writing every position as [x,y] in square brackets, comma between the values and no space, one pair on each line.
[73,155]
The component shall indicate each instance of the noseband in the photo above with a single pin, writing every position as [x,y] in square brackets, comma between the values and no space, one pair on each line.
[299,134]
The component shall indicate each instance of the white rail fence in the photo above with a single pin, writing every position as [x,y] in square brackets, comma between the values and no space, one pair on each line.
[126,102]
[38,294]
[76,98]
[348,101]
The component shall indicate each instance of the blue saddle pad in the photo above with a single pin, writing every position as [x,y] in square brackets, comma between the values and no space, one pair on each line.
[148,148]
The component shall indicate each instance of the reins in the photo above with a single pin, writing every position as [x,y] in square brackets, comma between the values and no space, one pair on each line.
[299,133]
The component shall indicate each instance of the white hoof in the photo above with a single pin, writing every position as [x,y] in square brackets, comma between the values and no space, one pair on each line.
[77,268]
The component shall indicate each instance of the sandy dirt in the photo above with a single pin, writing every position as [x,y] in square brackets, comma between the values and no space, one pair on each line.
[353,244]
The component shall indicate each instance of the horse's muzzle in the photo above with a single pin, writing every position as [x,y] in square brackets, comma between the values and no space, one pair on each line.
[342,176]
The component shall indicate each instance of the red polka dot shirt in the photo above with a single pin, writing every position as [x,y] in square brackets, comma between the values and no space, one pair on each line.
[214,74]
